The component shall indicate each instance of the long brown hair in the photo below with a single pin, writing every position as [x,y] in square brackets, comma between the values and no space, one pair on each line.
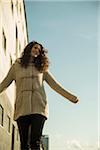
[41,62]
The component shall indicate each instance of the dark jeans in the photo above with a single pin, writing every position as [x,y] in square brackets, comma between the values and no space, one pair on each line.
[30,131]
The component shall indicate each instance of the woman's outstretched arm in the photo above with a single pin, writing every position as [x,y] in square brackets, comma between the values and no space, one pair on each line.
[8,79]
[58,88]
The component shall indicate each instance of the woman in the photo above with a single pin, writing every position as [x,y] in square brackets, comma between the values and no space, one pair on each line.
[30,111]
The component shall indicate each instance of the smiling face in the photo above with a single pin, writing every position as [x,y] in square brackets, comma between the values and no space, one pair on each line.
[35,50]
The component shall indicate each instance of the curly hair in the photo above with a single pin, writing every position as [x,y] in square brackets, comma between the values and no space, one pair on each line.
[41,62]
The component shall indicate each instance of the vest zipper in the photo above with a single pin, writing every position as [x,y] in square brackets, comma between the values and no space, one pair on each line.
[32,89]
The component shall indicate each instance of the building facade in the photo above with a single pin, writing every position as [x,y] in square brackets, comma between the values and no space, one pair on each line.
[13,38]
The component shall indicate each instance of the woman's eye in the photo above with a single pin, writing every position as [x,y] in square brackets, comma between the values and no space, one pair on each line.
[37,48]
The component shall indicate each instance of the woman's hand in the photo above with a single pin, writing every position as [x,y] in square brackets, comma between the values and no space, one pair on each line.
[76,100]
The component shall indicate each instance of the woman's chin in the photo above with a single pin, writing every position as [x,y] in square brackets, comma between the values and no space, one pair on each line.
[35,55]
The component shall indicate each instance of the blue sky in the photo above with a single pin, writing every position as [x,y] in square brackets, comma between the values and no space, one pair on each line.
[69,31]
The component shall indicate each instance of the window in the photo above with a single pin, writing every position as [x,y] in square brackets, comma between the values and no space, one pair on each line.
[10,60]
[19,47]
[12,6]
[16,33]
[13,137]
[24,42]
[17,135]
[1,115]
[16,5]
[4,42]
[8,123]
[20,9]
[16,41]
